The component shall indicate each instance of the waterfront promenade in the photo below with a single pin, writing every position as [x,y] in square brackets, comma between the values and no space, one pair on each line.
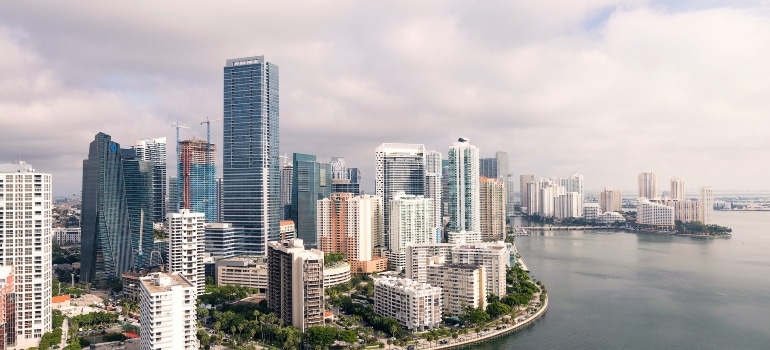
[553,228]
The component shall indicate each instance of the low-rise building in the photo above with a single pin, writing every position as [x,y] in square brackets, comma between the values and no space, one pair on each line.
[609,218]
[416,306]
[66,236]
[591,211]
[244,270]
[336,274]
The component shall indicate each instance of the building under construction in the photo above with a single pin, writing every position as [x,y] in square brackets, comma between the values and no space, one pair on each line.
[198,178]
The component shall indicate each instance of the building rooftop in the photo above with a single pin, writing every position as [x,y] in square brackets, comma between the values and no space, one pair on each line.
[19,167]
[163,282]
[403,283]
[459,266]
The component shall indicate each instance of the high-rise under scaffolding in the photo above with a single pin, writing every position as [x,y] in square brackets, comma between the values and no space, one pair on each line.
[198,178]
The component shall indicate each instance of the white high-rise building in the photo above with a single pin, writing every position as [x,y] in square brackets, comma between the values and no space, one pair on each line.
[648,185]
[462,285]
[524,193]
[25,216]
[433,189]
[568,205]
[610,199]
[420,256]
[575,183]
[186,245]
[492,208]
[154,150]
[677,188]
[167,312]
[654,215]
[464,206]
[411,221]
[510,194]
[706,205]
[416,306]
[495,257]
[399,167]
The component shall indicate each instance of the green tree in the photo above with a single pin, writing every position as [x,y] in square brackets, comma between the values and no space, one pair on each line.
[498,309]
[473,315]
[348,336]
[321,336]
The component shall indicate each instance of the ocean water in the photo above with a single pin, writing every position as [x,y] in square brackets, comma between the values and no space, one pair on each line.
[622,290]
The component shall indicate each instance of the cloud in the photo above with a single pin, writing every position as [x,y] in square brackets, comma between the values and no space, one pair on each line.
[606,88]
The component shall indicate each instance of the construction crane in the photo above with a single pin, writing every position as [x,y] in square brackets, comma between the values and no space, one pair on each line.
[178,126]
[208,163]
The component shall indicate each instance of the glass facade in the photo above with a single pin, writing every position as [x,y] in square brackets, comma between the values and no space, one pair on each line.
[140,199]
[250,166]
[105,236]
[154,150]
[198,170]
[311,181]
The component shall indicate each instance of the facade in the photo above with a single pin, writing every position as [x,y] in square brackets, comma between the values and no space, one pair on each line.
[575,183]
[488,167]
[591,211]
[311,182]
[154,151]
[411,221]
[433,190]
[463,237]
[494,257]
[525,199]
[251,183]
[654,215]
[706,205]
[167,312]
[461,285]
[66,236]
[288,230]
[186,234]
[420,256]
[610,199]
[503,169]
[287,172]
[138,179]
[492,208]
[609,218]
[510,194]
[247,271]
[685,210]
[105,246]
[336,274]
[399,167]
[568,205]
[416,306]
[677,188]
[173,195]
[464,207]
[220,240]
[348,224]
[295,283]
[25,209]
[648,185]
[198,173]
[7,308]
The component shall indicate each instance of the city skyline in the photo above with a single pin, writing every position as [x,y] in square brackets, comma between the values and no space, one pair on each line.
[569,78]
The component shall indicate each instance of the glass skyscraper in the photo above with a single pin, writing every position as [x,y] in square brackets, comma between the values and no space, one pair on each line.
[251,186]
[154,150]
[311,182]
[198,170]
[140,200]
[399,167]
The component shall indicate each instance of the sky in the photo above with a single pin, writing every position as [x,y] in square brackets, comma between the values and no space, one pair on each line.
[606,88]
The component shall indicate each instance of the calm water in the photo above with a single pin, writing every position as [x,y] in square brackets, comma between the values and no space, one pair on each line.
[618,290]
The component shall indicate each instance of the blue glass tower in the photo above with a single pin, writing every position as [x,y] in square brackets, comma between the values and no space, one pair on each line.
[311,181]
[251,183]
[140,199]
[198,172]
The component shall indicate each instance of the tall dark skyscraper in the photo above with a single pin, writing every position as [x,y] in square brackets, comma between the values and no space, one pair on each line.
[488,167]
[105,236]
[251,187]
[311,181]
[140,202]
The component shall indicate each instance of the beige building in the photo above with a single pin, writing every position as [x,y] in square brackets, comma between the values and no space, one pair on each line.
[494,257]
[610,199]
[677,188]
[296,283]
[654,215]
[420,256]
[416,306]
[492,200]
[685,210]
[247,271]
[461,285]
[648,185]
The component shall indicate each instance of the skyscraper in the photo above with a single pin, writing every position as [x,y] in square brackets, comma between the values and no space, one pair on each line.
[399,167]
[526,196]
[139,185]
[350,224]
[197,168]
[503,169]
[296,283]
[575,183]
[287,171]
[250,164]
[488,167]
[433,190]
[648,185]
[173,195]
[106,242]
[610,199]
[154,151]
[677,188]
[411,221]
[186,234]
[311,182]
[167,312]
[27,201]
[464,214]
[492,208]
[706,205]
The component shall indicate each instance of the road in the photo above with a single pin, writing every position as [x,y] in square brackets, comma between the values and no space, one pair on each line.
[64,328]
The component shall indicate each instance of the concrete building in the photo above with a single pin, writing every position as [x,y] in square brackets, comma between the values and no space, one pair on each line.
[167,312]
[66,236]
[464,201]
[336,274]
[463,237]
[492,208]
[575,183]
[420,256]
[242,270]
[399,167]
[220,240]
[654,215]
[706,205]
[525,199]
[677,188]
[348,224]
[648,185]
[295,283]
[7,308]
[568,205]
[461,285]
[416,306]
[495,257]
[685,210]
[591,211]
[186,235]
[288,230]
[610,218]
[25,209]
[411,221]
[610,199]
[433,189]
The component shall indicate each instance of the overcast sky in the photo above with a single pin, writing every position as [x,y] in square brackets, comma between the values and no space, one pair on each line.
[605,88]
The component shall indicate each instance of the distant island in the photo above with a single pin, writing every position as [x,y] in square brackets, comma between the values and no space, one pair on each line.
[697,228]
